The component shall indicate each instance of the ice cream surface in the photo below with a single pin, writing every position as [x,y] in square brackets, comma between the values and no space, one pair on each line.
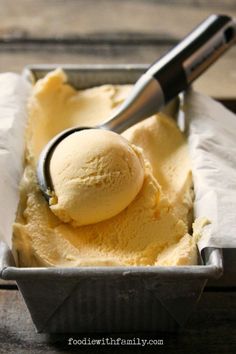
[149,219]
[95,175]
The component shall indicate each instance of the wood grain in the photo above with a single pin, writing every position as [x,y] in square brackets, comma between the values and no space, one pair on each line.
[107,31]
[211,329]
[54,18]
[218,81]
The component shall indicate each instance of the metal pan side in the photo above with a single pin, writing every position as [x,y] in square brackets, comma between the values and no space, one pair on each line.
[108,299]
[82,76]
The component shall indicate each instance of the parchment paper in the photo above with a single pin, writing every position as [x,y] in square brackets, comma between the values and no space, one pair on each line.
[212,145]
[14,91]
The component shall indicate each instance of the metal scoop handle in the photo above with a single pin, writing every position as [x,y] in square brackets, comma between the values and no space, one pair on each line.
[175,71]
[167,77]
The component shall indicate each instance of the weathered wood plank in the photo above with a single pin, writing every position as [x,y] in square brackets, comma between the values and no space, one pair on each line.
[108,31]
[54,18]
[218,81]
[211,329]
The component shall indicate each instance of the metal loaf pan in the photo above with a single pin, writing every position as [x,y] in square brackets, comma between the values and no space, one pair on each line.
[108,299]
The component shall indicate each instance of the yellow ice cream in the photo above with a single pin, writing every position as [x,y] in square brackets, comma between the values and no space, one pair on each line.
[95,175]
[149,225]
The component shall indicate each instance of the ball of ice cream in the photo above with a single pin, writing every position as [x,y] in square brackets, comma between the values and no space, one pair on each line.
[95,175]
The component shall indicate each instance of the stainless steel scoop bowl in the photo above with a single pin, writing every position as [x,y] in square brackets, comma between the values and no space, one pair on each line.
[163,81]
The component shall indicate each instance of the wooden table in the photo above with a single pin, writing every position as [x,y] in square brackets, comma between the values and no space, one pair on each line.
[109,31]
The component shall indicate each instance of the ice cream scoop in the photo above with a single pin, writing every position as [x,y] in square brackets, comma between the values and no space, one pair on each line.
[95,175]
[167,77]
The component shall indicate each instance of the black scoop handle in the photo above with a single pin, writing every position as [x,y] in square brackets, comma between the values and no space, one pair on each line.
[193,55]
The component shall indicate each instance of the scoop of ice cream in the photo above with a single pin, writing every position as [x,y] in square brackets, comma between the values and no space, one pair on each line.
[95,175]
[152,230]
